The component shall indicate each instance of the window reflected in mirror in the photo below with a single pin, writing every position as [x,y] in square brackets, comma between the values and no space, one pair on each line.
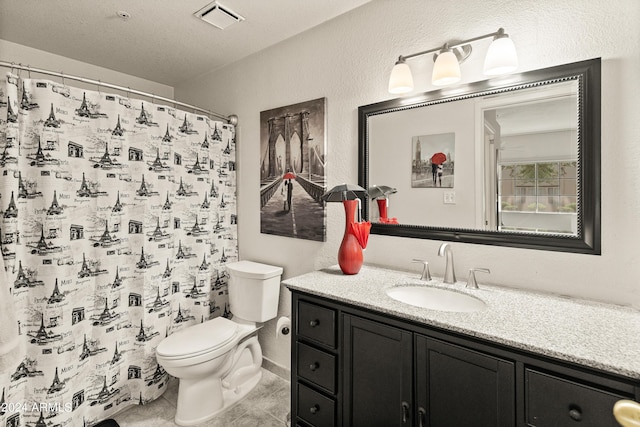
[531,138]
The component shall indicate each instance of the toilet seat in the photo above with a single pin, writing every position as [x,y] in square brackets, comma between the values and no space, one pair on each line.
[197,340]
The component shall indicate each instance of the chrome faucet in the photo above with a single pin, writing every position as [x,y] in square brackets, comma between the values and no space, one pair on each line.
[449,272]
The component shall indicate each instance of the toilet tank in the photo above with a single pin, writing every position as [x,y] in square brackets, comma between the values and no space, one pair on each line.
[254,290]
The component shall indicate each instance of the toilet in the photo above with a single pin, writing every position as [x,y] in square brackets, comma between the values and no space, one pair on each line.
[219,361]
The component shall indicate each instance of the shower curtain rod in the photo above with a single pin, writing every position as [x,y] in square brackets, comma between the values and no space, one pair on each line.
[233,119]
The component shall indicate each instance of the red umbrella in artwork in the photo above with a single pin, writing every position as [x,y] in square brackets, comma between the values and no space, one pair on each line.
[289,175]
[438,158]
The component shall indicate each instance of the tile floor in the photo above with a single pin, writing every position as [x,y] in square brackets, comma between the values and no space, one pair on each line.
[266,406]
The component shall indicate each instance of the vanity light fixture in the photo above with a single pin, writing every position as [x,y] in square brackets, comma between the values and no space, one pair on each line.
[501,58]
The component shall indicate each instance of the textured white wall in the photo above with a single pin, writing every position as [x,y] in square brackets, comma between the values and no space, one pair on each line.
[349,59]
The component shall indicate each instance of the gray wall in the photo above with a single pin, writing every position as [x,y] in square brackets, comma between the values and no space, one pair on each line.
[36,58]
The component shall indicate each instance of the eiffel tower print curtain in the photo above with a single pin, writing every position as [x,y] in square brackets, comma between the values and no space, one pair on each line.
[116,219]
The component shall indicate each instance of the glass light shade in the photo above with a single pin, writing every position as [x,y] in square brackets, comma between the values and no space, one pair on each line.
[446,69]
[401,80]
[501,57]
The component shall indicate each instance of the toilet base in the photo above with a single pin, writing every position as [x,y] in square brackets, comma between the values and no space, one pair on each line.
[188,415]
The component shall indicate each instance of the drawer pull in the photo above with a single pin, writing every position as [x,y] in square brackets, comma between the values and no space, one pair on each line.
[314,409]
[314,323]
[575,413]
[314,366]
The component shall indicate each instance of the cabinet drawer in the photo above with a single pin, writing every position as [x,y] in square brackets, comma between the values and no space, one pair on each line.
[315,408]
[317,323]
[317,366]
[557,402]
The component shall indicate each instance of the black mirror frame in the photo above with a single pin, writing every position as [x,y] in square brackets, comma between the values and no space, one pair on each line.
[588,75]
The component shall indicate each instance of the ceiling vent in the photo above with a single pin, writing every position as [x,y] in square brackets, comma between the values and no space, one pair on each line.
[218,15]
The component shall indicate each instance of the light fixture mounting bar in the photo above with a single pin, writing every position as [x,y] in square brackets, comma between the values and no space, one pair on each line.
[498,33]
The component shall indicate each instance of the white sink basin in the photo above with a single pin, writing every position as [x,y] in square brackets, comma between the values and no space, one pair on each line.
[436,298]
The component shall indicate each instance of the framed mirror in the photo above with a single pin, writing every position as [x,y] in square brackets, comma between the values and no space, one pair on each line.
[512,161]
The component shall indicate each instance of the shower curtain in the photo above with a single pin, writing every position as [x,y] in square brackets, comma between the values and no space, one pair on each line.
[116,219]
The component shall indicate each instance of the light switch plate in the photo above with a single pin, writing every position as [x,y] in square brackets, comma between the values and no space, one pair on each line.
[449,198]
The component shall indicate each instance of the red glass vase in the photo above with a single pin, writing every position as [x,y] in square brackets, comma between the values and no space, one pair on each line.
[350,253]
[382,207]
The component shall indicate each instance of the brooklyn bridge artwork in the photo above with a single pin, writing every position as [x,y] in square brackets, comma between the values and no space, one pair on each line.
[292,170]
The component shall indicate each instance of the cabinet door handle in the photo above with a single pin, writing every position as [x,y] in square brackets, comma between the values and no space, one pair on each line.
[575,413]
[314,409]
[314,323]
[314,366]
[405,412]
[422,415]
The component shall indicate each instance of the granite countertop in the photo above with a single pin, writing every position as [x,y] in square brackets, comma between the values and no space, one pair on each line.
[596,335]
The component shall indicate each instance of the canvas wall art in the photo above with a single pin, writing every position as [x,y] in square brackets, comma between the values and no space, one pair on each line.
[433,160]
[292,170]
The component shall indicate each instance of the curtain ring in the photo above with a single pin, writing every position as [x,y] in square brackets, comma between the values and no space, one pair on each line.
[99,86]
[62,76]
[153,98]
[29,71]
[19,68]
[12,66]
[128,92]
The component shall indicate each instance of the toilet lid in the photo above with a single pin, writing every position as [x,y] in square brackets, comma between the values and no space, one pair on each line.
[198,339]
[253,270]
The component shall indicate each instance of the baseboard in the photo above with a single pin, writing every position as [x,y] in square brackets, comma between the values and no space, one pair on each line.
[277,369]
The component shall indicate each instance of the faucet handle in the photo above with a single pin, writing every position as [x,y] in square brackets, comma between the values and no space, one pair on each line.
[426,275]
[471,281]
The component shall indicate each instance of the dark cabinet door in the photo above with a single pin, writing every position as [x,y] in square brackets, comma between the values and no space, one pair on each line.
[377,374]
[456,386]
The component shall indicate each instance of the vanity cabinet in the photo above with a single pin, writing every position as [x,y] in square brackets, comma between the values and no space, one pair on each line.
[355,367]
[453,385]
